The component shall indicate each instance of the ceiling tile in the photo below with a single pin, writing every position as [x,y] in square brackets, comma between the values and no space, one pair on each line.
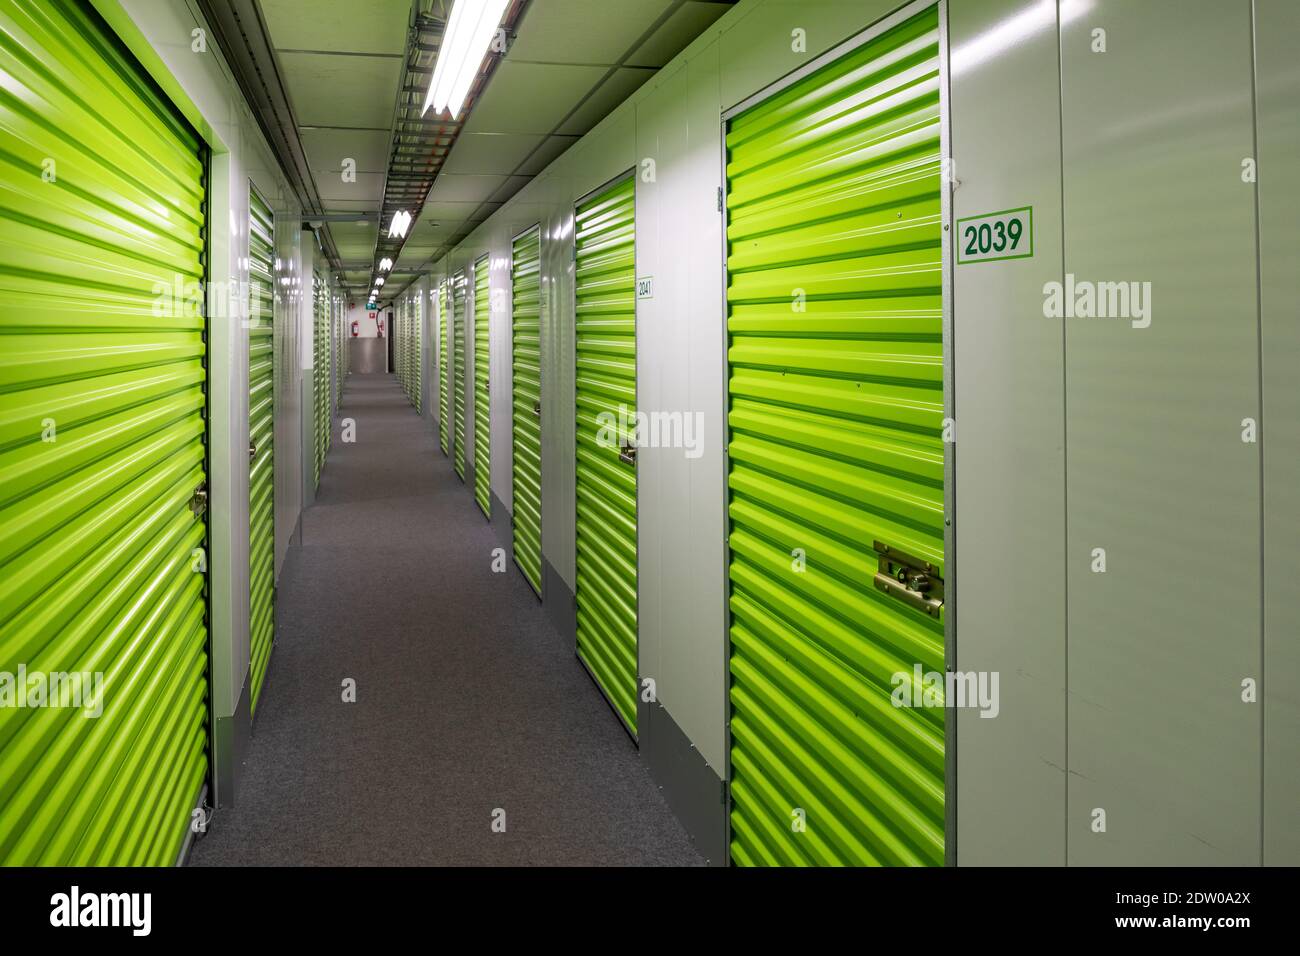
[464,188]
[583,31]
[341,90]
[497,153]
[511,186]
[446,211]
[687,22]
[337,25]
[546,154]
[369,187]
[327,148]
[612,92]
[529,98]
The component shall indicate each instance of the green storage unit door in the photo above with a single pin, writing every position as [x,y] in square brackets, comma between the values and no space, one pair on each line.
[319,369]
[458,373]
[261,436]
[835,418]
[605,309]
[102,397]
[417,367]
[444,371]
[399,346]
[396,332]
[482,410]
[526,405]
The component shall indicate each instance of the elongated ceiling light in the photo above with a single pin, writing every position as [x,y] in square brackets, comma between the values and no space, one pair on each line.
[401,222]
[385,264]
[469,32]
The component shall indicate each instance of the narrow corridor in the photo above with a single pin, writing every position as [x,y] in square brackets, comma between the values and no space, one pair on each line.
[467,701]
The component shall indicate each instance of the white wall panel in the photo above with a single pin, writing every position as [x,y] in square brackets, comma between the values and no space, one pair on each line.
[1154,133]
[1277,98]
[1010,450]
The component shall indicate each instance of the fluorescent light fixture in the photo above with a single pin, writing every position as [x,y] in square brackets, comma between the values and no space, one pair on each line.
[401,222]
[379,282]
[385,264]
[469,32]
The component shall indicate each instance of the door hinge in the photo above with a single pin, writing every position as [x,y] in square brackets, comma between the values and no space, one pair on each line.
[912,580]
[719,199]
[627,454]
[199,500]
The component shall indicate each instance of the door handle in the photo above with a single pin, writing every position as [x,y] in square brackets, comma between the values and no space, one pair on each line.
[912,580]
[537,408]
[199,500]
[627,454]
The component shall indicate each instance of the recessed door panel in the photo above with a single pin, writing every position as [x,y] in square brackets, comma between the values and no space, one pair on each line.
[605,310]
[526,417]
[836,460]
[261,435]
[458,374]
[103,464]
[482,411]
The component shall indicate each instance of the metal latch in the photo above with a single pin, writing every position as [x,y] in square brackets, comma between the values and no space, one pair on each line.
[252,450]
[537,408]
[199,501]
[627,454]
[912,580]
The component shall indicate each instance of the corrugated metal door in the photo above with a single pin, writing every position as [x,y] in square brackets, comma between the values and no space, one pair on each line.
[102,398]
[836,405]
[482,414]
[261,438]
[605,309]
[320,371]
[444,372]
[526,403]
[399,362]
[408,346]
[458,373]
[396,331]
[417,344]
[337,354]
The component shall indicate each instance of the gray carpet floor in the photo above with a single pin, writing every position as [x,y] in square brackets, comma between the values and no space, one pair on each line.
[468,701]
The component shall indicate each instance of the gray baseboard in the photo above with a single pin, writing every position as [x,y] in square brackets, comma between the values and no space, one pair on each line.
[694,791]
[560,605]
[230,748]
